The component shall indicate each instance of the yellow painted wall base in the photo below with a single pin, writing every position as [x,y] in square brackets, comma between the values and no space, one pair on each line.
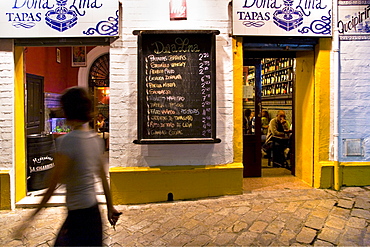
[349,174]
[327,177]
[142,185]
[5,202]
[355,174]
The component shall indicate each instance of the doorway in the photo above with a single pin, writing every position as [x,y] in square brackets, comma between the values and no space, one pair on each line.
[269,84]
[99,89]
[47,70]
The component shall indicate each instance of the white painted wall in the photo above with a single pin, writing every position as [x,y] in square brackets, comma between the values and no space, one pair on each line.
[6,103]
[154,15]
[355,95]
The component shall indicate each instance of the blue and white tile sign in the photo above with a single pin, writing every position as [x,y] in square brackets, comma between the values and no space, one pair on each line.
[354,22]
[58,18]
[282,17]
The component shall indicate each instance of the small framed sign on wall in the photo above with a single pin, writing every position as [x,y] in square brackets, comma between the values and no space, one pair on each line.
[58,56]
[78,56]
[178,10]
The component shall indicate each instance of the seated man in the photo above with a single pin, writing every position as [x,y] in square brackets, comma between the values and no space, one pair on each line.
[102,125]
[277,134]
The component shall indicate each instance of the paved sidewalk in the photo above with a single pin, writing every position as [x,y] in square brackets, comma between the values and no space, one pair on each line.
[284,217]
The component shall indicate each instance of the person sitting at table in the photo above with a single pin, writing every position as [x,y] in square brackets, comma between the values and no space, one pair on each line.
[247,121]
[278,131]
[103,129]
[100,124]
[265,121]
[264,124]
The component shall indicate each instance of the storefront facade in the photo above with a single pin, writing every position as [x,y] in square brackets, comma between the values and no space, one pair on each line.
[141,173]
[27,38]
[309,92]
[156,172]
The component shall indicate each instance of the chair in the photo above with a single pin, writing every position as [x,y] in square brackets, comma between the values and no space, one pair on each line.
[276,156]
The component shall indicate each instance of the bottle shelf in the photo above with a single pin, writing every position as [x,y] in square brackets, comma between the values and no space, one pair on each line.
[277,78]
[279,82]
[278,96]
[278,70]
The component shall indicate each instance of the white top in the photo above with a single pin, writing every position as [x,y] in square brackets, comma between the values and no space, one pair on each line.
[85,149]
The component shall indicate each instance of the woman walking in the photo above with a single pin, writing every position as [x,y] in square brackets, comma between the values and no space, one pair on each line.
[77,161]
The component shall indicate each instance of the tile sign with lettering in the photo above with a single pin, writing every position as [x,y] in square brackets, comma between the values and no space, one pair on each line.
[354,20]
[58,18]
[282,17]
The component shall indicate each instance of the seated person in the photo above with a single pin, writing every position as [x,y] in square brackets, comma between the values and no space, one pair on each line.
[247,121]
[100,122]
[278,131]
[103,129]
[265,121]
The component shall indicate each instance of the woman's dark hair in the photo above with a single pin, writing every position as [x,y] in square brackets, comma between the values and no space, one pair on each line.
[76,104]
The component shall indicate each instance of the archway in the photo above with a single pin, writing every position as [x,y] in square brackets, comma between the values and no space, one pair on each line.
[83,73]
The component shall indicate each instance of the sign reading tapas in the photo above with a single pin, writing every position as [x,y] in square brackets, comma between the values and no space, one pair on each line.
[53,18]
[282,17]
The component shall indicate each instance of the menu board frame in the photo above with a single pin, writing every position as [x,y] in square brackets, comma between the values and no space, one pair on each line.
[151,132]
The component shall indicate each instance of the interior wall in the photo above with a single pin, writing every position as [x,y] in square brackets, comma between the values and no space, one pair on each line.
[42,61]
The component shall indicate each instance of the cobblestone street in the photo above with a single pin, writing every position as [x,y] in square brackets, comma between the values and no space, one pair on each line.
[282,217]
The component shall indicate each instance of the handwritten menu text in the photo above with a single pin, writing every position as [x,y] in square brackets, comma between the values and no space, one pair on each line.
[178,87]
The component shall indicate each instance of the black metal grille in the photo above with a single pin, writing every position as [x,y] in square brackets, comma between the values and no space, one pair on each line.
[99,72]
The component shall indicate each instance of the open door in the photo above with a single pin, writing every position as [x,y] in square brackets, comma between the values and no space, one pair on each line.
[252,103]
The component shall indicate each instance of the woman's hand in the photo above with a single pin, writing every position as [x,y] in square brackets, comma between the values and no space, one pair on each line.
[113,216]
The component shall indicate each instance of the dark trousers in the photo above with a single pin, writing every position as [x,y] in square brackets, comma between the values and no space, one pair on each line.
[83,227]
[279,145]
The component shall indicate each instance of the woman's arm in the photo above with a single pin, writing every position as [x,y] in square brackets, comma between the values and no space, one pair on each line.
[113,214]
[61,163]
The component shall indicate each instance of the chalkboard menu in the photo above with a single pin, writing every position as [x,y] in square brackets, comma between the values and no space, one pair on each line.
[176,87]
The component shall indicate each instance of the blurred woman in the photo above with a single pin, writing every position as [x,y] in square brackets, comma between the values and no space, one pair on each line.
[77,161]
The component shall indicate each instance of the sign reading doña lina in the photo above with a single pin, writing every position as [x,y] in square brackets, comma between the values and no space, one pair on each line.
[282,17]
[58,18]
